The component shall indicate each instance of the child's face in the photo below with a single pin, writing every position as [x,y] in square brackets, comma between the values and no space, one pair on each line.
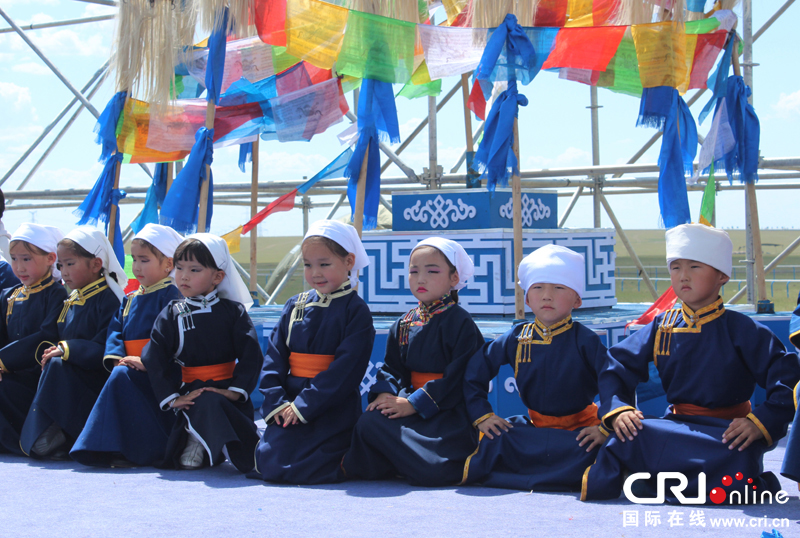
[551,303]
[77,271]
[325,271]
[193,279]
[695,283]
[147,268]
[29,267]
[429,275]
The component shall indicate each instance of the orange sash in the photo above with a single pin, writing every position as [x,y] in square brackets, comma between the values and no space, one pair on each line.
[418,379]
[214,372]
[135,347]
[308,365]
[581,419]
[729,413]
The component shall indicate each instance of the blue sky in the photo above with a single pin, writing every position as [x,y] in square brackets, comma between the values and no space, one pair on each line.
[555,126]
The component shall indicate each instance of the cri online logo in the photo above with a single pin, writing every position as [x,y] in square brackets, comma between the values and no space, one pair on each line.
[746,493]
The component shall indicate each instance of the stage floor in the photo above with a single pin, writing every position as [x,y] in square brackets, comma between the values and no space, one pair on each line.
[43,498]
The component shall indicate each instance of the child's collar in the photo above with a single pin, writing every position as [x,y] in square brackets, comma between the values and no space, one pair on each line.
[703,315]
[203,301]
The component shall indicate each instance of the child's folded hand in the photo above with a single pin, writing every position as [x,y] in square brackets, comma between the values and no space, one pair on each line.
[742,432]
[286,417]
[494,425]
[627,424]
[394,407]
[383,397]
[133,362]
[591,435]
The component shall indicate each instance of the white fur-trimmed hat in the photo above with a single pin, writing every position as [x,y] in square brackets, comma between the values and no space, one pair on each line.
[701,243]
[553,264]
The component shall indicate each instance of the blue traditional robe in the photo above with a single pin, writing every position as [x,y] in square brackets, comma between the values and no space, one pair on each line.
[712,359]
[555,369]
[430,446]
[338,325]
[126,418]
[70,384]
[27,326]
[204,335]
[791,459]
[7,277]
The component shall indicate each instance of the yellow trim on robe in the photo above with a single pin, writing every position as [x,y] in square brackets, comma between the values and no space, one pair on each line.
[693,320]
[3,368]
[767,436]
[64,345]
[299,415]
[142,290]
[603,430]
[36,353]
[614,412]
[22,293]
[583,482]
[481,419]
[466,463]
[79,297]
[792,335]
[276,411]
[794,394]
[546,334]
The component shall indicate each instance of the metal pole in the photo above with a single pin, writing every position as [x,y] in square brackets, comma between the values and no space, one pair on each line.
[60,23]
[598,179]
[247,276]
[779,258]
[624,238]
[100,2]
[254,232]
[571,205]
[53,123]
[463,156]
[433,158]
[58,137]
[516,197]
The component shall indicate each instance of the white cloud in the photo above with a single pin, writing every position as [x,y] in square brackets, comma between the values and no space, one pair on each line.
[570,157]
[19,95]
[62,42]
[788,102]
[32,68]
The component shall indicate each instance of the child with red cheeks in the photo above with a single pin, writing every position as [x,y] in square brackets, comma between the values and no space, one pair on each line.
[316,359]
[416,423]
[709,360]
[556,362]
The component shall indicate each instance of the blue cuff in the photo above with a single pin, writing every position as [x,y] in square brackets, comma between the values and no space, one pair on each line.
[425,405]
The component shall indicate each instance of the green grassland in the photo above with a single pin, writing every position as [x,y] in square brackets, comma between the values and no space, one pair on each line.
[649,246]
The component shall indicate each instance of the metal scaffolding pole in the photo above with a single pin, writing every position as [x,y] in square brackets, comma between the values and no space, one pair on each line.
[70,22]
[598,179]
[407,170]
[774,263]
[52,124]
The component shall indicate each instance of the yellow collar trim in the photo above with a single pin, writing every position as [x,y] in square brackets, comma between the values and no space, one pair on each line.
[704,315]
[79,297]
[22,293]
[527,337]
[547,333]
[160,285]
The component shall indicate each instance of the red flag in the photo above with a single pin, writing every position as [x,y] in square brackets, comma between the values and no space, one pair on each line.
[133,285]
[271,21]
[284,203]
[585,48]
[662,304]
[551,13]
[477,102]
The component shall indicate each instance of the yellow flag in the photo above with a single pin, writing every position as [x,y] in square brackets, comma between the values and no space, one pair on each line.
[234,240]
[661,53]
[314,31]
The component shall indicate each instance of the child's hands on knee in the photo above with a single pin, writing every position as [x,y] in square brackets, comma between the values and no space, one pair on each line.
[50,352]
[132,362]
[742,432]
[627,424]
[494,425]
[383,397]
[286,417]
[229,394]
[591,435]
[185,401]
[392,406]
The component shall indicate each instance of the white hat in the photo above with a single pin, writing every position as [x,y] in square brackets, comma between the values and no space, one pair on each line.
[232,286]
[345,236]
[96,243]
[42,236]
[553,264]
[701,243]
[164,238]
[455,254]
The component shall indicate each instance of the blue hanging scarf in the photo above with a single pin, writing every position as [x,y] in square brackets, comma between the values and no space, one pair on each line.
[520,53]
[495,157]
[154,199]
[377,121]
[215,66]
[718,81]
[688,136]
[660,107]
[742,160]
[106,126]
[96,207]
[245,154]
[180,208]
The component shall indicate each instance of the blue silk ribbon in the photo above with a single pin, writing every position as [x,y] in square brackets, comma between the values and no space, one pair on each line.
[181,205]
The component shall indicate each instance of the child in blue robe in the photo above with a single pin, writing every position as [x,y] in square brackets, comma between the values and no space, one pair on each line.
[791,459]
[556,362]
[28,314]
[72,368]
[126,425]
[316,358]
[416,424]
[709,360]
[211,337]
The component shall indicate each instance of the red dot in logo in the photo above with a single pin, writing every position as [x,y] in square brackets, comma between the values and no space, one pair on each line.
[754,487]
[727,480]
[749,480]
[717,495]
[738,476]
